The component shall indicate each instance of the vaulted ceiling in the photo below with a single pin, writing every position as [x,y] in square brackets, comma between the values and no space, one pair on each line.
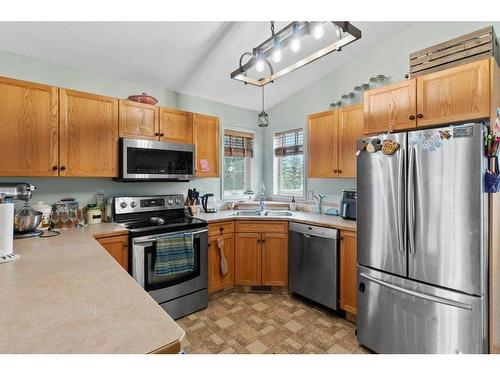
[193,58]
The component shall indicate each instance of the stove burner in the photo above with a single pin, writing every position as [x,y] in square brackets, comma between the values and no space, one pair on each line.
[157,220]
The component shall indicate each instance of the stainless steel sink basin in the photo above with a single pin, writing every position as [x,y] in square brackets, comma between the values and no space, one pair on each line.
[247,213]
[278,213]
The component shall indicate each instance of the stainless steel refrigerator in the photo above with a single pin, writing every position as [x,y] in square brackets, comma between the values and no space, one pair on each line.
[422,222]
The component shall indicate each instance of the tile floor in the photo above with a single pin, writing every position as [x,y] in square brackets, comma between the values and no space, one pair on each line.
[266,323]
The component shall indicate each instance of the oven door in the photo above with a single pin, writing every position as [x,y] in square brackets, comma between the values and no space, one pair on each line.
[165,288]
[151,160]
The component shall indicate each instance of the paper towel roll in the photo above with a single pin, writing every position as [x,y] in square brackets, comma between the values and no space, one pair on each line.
[6,228]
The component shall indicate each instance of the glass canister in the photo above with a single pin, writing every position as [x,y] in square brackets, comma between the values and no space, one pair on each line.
[359,92]
[335,105]
[348,99]
[378,81]
[94,214]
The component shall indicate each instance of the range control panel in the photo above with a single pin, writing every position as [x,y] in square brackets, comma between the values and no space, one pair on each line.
[126,205]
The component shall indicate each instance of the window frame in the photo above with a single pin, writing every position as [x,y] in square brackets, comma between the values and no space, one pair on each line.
[251,164]
[276,194]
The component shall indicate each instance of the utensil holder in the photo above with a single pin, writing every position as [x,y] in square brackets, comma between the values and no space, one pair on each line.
[492,179]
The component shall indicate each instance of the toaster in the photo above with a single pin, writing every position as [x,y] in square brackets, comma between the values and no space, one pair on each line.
[348,205]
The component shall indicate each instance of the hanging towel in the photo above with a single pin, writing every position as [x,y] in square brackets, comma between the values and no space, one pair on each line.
[174,254]
[223,260]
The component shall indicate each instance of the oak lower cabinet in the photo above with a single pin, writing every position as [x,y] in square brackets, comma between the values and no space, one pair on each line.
[331,142]
[216,281]
[138,120]
[88,134]
[117,247]
[176,126]
[29,122]
[206,140]
[348,271]
[261,255]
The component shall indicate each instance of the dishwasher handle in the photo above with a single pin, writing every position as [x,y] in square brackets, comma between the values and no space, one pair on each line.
[314,231]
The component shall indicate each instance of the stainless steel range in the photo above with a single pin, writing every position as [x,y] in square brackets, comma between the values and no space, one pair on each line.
[153,218]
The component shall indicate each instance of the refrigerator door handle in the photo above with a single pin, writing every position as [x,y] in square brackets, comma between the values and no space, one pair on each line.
[400,203]
[411,201]
[428,297]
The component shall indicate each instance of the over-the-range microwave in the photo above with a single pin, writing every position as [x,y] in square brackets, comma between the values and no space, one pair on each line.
[144,160]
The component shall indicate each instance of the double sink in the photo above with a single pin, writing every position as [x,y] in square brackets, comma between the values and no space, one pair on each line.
[261,213]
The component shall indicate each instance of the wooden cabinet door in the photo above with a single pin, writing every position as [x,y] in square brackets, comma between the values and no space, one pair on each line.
[28,129]
[350,128]
[247,259]
[322,142]
[206,140]
[176,126]
[390,108]
[117,247]
[88,134]
[275,259]
[138,120]
[348,271]
[453,95]
[215,279]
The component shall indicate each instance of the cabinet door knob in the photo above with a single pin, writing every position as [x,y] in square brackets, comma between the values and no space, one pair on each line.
[54,168]
[157,134]
[334,171]
[63,168]
[411,117]
[162,134]
[420,115]
[340,170]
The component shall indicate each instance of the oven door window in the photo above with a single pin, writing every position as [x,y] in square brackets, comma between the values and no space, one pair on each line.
[155,161]
[153,282]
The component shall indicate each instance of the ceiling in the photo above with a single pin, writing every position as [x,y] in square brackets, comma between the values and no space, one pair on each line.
[193,58]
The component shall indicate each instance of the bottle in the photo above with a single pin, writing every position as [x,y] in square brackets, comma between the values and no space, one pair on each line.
[293,205]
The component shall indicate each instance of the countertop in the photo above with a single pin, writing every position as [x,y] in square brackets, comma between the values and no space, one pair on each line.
[297,216]
[66,294]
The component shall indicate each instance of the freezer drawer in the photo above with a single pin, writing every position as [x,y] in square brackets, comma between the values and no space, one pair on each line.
[312,263]
[396,315]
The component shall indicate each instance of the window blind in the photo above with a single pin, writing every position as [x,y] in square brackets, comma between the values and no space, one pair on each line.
[238,143]
[290,142]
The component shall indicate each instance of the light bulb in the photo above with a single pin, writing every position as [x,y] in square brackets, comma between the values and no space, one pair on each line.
[295,45]
[277,55]
[318,31]
[259,65]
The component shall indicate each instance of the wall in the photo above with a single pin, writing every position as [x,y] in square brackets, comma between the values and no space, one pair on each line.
[391,57]
[52,189]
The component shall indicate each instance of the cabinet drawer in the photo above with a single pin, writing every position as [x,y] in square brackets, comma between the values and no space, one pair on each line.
[262,226]
[214,229]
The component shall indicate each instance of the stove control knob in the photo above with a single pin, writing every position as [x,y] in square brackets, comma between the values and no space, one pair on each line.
[170,201]
[123,204]
[177,201]
[133,204]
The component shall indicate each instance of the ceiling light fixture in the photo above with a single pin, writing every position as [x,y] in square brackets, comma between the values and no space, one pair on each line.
[291,36]
[263,119]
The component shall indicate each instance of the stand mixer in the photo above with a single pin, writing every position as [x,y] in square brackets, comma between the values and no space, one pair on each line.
[26,220]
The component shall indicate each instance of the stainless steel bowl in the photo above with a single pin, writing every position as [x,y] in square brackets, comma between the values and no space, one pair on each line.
[27,223]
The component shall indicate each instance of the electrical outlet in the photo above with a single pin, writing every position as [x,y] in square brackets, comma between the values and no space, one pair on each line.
[310,194]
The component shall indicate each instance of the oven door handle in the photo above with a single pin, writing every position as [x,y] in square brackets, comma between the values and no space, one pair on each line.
[150,241]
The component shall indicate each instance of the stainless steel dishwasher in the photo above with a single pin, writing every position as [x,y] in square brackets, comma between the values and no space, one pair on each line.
[312,263]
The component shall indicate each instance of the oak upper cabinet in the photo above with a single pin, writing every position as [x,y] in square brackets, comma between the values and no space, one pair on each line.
[350,128]
[390,108]
[138,120]
[274,259]
[176,126]
[206,139]
[348,271]
[28,129]
[322,142]
[88,134]
[457,94]
[247,259]
[117,247]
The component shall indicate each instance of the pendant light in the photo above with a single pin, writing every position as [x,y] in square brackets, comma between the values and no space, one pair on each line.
[263,121]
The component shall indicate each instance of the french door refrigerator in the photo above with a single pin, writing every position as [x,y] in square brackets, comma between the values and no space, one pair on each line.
[422,242]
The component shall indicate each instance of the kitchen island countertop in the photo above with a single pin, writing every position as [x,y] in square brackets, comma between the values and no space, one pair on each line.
[66,294]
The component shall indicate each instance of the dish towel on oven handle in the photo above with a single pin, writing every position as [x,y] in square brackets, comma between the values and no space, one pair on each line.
[174,254]
[223,260]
